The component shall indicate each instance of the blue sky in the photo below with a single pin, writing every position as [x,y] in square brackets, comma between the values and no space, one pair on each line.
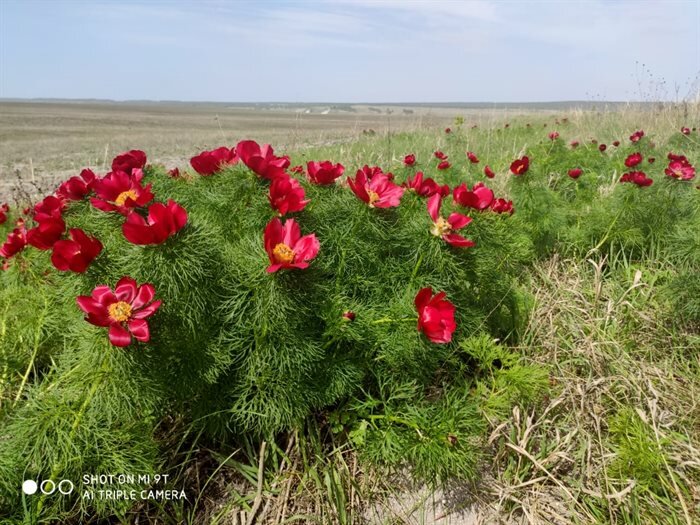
[348,50]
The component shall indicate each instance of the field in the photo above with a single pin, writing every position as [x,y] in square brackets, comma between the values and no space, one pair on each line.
[569,394]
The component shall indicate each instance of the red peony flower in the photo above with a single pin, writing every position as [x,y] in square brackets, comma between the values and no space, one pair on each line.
[575,173]
[553,135]
[118,191]
[209,162]
[49,208]
[77,188]
[164,220]
[285,246]
[262,159]
[637,177]
[472,157]
[602,148]
[448,130]
[489,172]
[15,242]
[423,187]
[349,315]
[444,165]
[174,173]
[440,155]
[297,169]
[324,173]
[680,169]
[409,160]
[47,233]
[502,206]
[370,172]
[77,253]
[124,311]
[379,192]
[685,131]
[436,316]
[574,144]
[673,156]
[4,209]
[632,160]
[520,166]
[445,228]
[616,143]
[129,161]
[651,160]
[636,136]
[479,197]
[286,195]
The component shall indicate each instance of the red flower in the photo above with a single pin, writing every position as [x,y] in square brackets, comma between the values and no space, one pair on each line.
[520,166]
[370,172]
[118,191]
[632,160]
[262,159]
[349,315]
[49,208]
[379,192]
[286,195]
[489,172]
[297,169]
[15,242]
[553,135]
[636,136]
[324,173]
[680,169]
[575,173]
[209,162]
[124,311]
[164,220]
[651,160]
[47,233]
[616,143]
[472,157]
[448,130]
[285,246]
[409,160]
[77,253]
[3,213]
[672,156]
[637,177]
[436,316]
[502,206]
[129,162]
[174,173]
[440,155]
[77,188]
[444,165]
[479,197]
[574,144]
[445,228]
[685,131]
[602,148]
[424,187]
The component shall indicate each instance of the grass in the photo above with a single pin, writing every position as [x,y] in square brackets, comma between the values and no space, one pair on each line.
[615,439]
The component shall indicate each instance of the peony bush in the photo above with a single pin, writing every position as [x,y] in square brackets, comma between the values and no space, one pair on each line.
[235,300]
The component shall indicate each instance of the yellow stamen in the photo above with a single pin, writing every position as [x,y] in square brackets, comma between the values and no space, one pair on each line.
[373,197]
[120,311]
[441,227]
[283,253]
[121,198]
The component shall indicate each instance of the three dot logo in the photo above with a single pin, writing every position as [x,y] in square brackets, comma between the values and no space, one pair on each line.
[47,487]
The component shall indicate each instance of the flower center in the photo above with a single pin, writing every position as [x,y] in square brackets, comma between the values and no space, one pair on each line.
[120,311]
[373,197]
[441,227]
[121,198]
[283,253]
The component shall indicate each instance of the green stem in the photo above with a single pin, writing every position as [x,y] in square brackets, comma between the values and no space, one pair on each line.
[390,320]
[37,341]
